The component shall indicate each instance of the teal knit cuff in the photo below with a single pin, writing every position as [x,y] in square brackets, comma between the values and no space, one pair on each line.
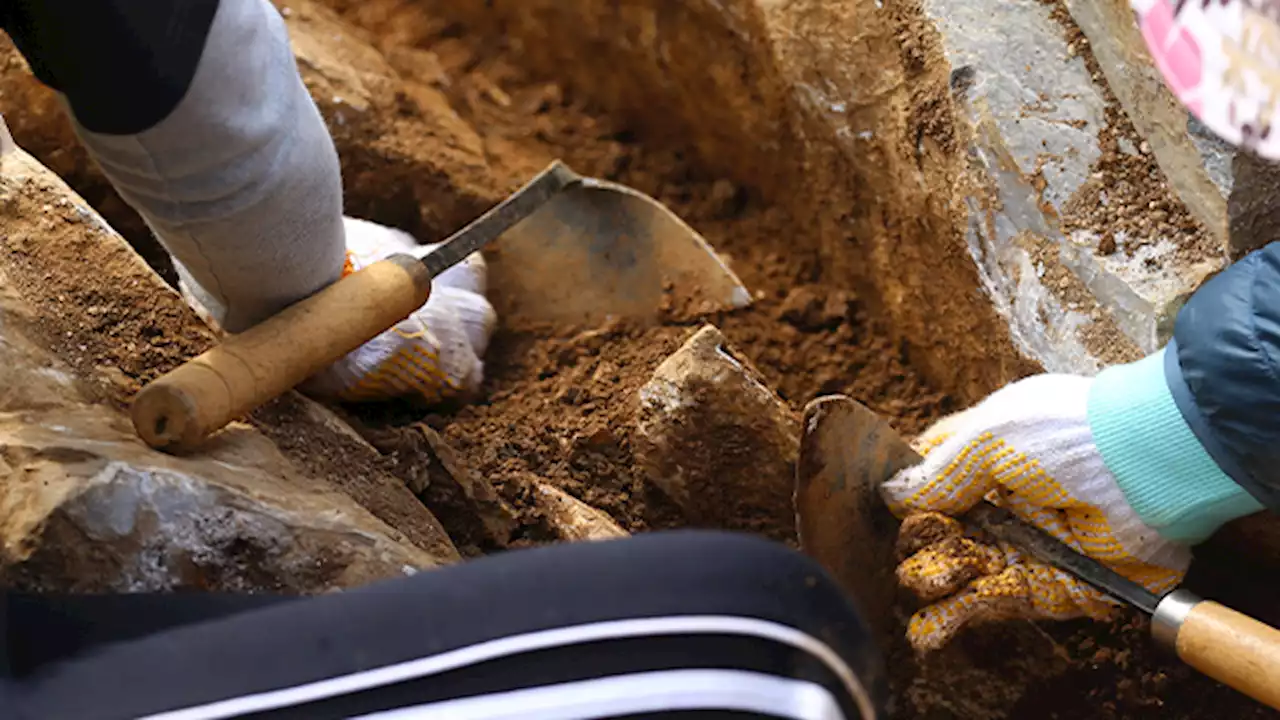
[1160,466]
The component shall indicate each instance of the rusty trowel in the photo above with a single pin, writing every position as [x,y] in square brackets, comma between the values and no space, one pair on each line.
[847,451]
[598,250]
[572,249]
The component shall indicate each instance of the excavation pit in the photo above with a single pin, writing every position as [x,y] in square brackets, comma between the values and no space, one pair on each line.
[828,151]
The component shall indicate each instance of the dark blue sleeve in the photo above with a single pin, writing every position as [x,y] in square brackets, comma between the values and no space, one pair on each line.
[1223,368]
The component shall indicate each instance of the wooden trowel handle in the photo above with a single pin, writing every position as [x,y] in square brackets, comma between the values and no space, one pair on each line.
[179,409]
[1228,646]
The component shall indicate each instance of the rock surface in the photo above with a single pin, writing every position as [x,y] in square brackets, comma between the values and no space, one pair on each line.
[377,119]
[1231,193]
[465,501]
[713,437]
[571,519]
[86,505]
[1195,169]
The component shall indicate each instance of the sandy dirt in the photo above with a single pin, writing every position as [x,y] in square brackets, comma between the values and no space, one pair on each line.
[558,403]
[561,408]
[808,335]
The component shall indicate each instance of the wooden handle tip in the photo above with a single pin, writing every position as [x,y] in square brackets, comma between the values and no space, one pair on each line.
[166,415]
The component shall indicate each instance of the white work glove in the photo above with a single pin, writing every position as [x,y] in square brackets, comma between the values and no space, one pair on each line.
[1030,448]
[433,354]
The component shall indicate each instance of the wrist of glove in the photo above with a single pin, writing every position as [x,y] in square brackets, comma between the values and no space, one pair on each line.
[1105,464]
[433,354]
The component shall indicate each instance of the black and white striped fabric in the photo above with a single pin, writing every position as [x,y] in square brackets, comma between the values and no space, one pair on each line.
[667,625]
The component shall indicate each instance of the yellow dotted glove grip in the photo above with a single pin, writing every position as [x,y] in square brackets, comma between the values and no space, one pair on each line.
[967,582]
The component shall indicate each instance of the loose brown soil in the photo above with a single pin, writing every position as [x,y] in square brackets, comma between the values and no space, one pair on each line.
[558,403]
[561,407]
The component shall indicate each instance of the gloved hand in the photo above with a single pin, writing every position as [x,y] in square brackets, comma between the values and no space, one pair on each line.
[434,353]
[1106,464]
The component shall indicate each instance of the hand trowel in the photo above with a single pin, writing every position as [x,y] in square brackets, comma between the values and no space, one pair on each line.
[847,451]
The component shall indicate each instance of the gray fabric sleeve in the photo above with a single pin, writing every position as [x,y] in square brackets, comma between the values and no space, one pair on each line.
[240,182]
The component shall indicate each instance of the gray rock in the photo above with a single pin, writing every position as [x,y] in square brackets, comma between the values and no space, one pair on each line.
[88,508]
[714,438]
[85,505]
[1039,116]
[571,519]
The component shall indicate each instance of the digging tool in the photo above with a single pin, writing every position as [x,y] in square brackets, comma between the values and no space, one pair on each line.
[847,451]
[600,250]
[574,248]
